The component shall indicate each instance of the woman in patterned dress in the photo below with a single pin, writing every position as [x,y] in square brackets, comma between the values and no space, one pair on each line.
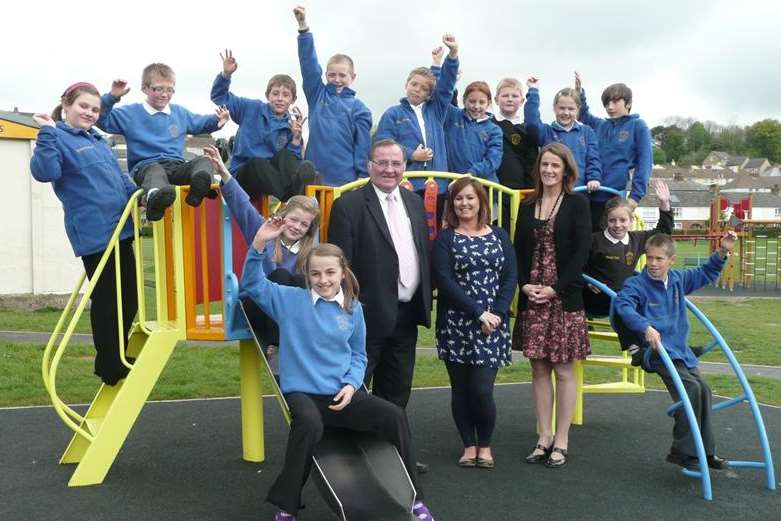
[552,242]
[475,269]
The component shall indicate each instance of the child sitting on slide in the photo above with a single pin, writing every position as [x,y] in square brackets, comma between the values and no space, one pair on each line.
[653,306]
[322,364]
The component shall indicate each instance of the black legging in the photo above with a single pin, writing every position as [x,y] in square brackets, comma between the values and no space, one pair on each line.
[472,402]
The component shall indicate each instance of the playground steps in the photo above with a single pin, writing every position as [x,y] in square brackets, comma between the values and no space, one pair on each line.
[115,409]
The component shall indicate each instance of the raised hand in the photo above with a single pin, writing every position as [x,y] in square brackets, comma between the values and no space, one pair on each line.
[44,120]
[229,64]
[297,128]
[300,13]
[422,154]
[437,53]
[728,241]
[533,82]
[211,153]
[222,116]
[450,41]
[578,82]
[662,193]
[270,230]
[119,88]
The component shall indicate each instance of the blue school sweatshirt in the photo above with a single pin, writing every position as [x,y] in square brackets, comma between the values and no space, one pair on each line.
[322,347]
[152,137]
[339,123]
[261,133]
[88,182]
[401,123]
[580,139]
[473,147]
[624,144]
[644,301]
[249,222]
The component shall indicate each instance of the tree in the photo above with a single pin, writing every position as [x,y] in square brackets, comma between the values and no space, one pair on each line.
[672,141]
[731,139]
[697,137]
[765,137]
[660,158]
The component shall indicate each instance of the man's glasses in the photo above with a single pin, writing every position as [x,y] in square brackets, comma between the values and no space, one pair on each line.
[396,165]
[161,90]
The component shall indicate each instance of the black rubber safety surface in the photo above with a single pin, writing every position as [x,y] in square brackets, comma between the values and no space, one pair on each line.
[182,462]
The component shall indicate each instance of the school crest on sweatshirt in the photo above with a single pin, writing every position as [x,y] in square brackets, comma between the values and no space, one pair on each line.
[173,129]
[343,322]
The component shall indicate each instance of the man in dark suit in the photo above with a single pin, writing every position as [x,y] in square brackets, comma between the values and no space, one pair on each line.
[382,230]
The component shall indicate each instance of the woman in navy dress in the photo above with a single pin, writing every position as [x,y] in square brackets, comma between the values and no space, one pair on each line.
[475,268]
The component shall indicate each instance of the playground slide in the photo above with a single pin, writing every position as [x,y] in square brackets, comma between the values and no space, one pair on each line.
[360,477]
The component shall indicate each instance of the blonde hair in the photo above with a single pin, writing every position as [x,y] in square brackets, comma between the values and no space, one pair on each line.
[567,92]
[156,69]
[341,58]
[308,205]
[350,285]
[427,74]
[509,83]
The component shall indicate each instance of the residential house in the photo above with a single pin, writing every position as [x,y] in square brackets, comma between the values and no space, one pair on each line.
[757,166]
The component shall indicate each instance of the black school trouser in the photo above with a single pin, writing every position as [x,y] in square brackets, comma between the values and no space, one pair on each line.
[159,174]
[310,414]
[701,398]
[472,402]
[278,176]
[103,309]
[391,359]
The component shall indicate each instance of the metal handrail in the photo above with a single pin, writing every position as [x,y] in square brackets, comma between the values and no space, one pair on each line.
[49,363]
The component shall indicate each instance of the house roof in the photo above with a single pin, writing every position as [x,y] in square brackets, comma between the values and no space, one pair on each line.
[22,118]
[721,155]
[736,160]
[756,163]
[758,200]
[751,182]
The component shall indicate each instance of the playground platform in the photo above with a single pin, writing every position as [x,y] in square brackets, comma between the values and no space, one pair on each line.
[183,461]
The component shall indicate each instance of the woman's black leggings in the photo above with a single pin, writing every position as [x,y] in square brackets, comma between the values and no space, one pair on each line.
[472,402]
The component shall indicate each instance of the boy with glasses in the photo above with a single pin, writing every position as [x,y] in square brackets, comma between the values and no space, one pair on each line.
[156,131]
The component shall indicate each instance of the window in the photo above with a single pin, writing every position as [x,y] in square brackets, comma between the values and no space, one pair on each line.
[678,226]
[677,212]
[778,212]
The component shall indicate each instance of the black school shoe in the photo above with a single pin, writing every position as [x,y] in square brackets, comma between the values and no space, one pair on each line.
[200,186]
[693,463]
[158,201]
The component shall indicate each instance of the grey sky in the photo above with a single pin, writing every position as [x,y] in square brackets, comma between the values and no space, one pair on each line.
[710,60]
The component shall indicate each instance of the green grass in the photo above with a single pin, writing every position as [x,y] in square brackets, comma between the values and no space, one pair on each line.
[213,371]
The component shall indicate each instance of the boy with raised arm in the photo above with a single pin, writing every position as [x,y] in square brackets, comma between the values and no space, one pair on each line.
[624,145]
[653,306]
[339,123]
[266,156]
[156,131]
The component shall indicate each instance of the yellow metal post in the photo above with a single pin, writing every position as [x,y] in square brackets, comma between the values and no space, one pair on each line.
[251,402]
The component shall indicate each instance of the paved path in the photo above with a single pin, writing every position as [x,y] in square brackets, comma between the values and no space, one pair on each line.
[707,367]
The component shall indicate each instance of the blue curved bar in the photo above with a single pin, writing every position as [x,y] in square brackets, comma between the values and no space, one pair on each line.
[605,189]
[748,396]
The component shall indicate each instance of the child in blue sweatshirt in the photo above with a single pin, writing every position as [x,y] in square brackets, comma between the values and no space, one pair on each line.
[156,131]
[417,122]
[339,123]
[579,138]
[474,141]
[322,364]
[94,192]
[624,145]
[652,305]
[266,156]
[284,256]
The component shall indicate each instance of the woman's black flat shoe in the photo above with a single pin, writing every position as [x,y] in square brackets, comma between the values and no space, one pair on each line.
[536,459]
[558,462]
